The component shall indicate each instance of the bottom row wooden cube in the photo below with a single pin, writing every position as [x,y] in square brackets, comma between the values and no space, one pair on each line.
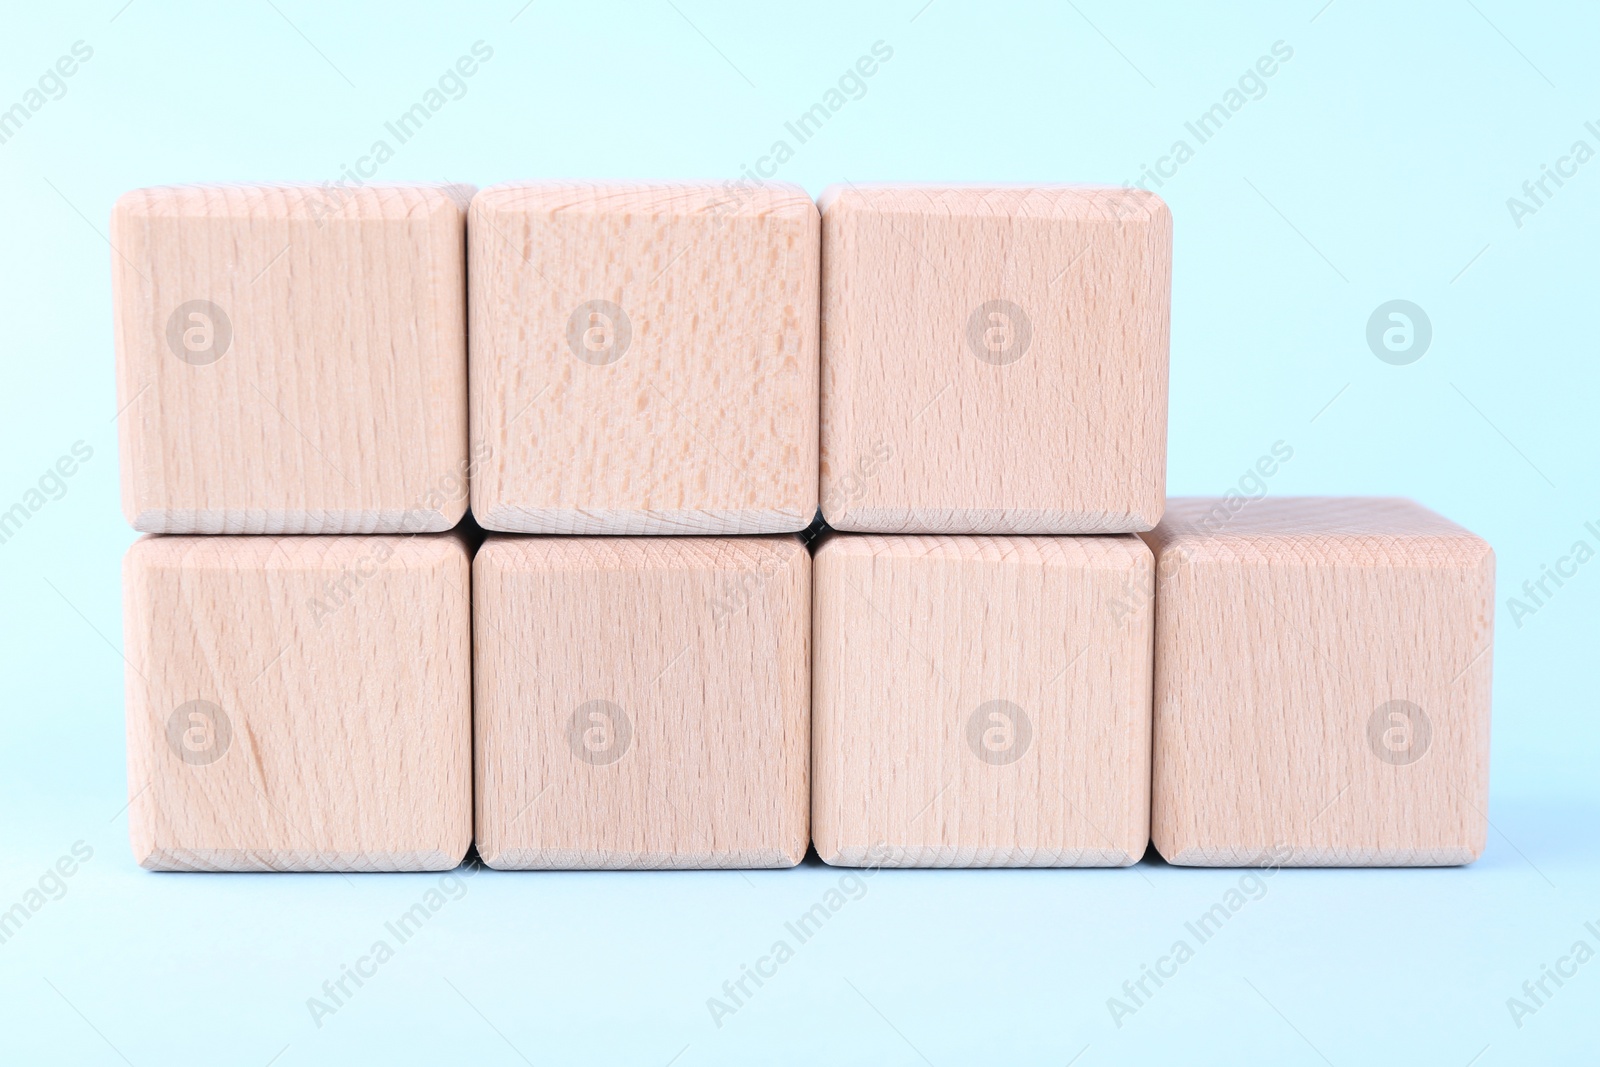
[642,702]
[982,701]
[299,703]
[1322,684]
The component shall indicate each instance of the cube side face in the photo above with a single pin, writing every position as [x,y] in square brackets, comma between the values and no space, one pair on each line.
[298,704]
[644,359]
[642,703]
[1323,702]
[291,359]
[982,702]
[978,343]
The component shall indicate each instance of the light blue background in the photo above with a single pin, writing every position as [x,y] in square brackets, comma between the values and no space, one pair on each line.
[1376,166]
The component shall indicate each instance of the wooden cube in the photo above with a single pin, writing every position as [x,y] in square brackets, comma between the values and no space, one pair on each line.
[1322,675]
[299,703]
[982,701]
[644,358]
[291,359]
[994,360]
[642,703]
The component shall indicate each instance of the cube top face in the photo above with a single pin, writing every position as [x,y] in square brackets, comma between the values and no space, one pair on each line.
[994,360]
[644,358]
[1349,530]
[649,200]
[1322,684]
[299,703]
[642,702]
[982,701]
[291,359]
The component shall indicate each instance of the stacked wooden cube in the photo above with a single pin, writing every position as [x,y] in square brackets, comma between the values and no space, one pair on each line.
[1005,648]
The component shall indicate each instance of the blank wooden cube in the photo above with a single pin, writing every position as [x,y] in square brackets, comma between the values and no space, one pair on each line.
[642,703]
[298,703]
[1322,675]
[291,359]
[994,360]
[982,701]
[644,358]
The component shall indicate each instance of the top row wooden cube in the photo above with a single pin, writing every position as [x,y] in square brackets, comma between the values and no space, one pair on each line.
[291,359]
[994,360]
[644,359]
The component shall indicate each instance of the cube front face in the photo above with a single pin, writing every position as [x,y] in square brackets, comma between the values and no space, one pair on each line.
[291,359]
[1322,684]
[982,701]
[642,703]
[298,703]
[994,360]
[644,358]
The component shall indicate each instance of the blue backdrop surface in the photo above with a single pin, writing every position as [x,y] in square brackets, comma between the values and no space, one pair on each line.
[1439,153]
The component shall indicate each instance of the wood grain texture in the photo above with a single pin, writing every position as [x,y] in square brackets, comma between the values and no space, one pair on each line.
[644,358]
[335,728]
[918,638]
[1286,630]
[291,359]
[994,360]
[642,703]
